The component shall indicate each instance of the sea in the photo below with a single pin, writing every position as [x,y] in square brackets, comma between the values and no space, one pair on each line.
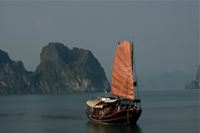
[164,111]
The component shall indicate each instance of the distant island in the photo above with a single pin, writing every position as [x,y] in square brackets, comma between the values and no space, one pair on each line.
[61,70]
[166,80]
[195,84]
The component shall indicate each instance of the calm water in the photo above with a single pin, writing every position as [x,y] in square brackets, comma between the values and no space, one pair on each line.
[171,111]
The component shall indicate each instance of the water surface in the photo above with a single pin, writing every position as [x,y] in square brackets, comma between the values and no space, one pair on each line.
[166,111]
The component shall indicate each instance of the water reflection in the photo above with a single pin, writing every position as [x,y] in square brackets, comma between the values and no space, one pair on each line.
[99,128]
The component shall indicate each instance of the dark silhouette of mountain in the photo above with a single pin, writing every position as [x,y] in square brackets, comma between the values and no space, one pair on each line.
[60,71]
[4,57]
[167,80]
[195,84]
[14,79]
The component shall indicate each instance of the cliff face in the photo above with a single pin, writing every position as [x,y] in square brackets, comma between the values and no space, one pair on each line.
[198,76]
[14,79]
[4,57]
[196,83]
[61,70]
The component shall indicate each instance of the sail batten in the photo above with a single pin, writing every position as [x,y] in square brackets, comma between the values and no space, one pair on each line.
[122,71]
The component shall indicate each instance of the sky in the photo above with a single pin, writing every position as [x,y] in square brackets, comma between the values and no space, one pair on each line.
[165,33]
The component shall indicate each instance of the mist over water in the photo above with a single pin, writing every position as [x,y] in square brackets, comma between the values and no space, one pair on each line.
[163,111]
[165,33]
[166,38]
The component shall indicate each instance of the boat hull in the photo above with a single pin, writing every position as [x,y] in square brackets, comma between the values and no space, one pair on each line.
[122,116]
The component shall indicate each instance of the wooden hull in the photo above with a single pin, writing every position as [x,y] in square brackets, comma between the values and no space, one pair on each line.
[122,116]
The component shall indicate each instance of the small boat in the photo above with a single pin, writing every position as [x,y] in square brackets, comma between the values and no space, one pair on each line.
[124,105]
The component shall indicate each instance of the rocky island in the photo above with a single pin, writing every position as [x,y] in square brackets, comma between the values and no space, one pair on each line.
[196,83]
[60,71]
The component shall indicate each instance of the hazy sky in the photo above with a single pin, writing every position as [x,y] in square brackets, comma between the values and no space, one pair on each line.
[166,34]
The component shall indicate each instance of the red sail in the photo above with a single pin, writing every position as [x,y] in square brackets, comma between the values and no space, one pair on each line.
[122,73]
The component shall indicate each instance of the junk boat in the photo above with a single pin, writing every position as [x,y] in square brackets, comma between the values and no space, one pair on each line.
[124,106]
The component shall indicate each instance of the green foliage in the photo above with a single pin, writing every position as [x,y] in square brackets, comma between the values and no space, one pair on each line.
[61,70]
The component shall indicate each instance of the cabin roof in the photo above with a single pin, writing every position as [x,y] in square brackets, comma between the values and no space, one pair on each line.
[99,102]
